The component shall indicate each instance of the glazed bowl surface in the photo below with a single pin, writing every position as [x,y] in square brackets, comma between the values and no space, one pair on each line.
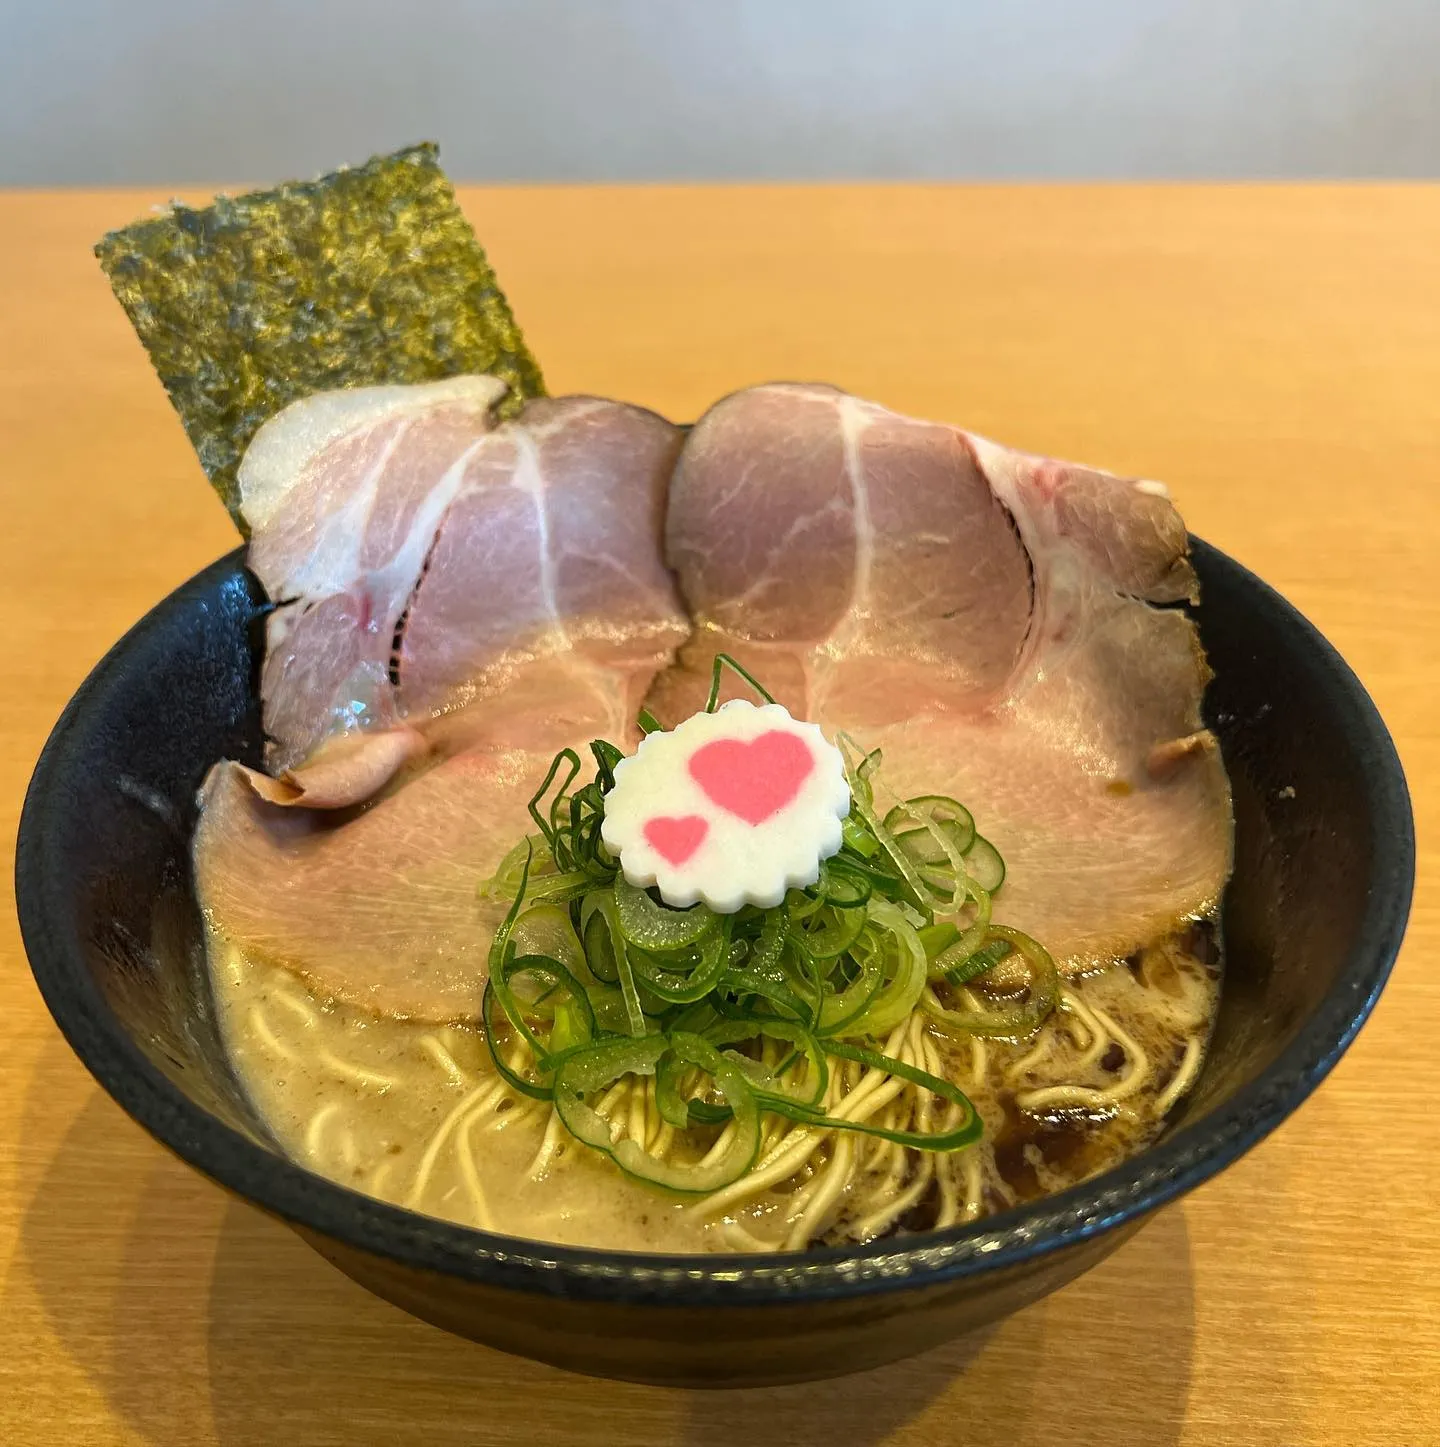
[1312,921]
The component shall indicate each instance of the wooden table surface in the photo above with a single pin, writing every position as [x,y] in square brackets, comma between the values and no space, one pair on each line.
[1272,352]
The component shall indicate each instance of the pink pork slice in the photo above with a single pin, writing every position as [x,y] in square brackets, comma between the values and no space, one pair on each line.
[989,620]
[495,590]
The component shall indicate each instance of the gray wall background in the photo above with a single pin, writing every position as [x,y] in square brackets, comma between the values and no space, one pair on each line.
[150,91]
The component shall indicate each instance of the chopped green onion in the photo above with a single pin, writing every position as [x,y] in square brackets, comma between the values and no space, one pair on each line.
[601,904]
[547,929]
[593,979]
[656,926]
[566,759]
[828,932]
[861,796]
[698,974]
[858,839]
[1017,1022]
[937,938]
[722,662]
[984,864]
[904,965]
[980,963]
[589,1071]
[843,886]
[949,814]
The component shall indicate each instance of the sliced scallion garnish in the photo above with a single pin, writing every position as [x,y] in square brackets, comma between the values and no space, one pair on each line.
[593,980]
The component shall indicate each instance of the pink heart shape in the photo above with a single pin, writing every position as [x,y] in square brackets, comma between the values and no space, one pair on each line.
[676,840]
[754,780]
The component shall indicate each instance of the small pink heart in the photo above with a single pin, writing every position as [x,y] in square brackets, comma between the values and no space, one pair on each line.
[754,780]
[676,840]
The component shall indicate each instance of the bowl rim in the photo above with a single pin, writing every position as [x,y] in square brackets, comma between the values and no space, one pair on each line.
[317,1206]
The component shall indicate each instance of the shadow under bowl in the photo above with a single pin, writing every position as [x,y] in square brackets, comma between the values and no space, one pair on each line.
[1312,921]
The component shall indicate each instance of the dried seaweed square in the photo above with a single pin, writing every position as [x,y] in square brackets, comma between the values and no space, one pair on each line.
[368,275]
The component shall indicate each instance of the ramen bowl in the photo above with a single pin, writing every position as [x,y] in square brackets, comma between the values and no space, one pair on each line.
[1312,920]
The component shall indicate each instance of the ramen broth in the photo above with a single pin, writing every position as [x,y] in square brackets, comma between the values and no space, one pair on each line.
[416,1115]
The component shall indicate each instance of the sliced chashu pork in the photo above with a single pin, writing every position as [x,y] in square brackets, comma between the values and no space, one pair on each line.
[424,559]
[987,619]
[344,493]
[983,615]
[380,905]
[417,553]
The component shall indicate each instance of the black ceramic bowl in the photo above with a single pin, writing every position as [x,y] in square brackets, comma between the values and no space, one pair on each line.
[1312,922]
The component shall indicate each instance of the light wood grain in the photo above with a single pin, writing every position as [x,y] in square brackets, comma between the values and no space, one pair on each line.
[1272,353]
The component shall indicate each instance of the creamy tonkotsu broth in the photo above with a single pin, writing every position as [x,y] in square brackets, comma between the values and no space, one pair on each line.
[416,1115]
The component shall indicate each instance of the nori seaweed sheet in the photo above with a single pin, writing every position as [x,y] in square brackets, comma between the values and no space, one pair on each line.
[368,275]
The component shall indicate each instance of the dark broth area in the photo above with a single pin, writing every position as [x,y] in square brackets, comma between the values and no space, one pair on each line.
[1077,1145]
[1164,999]
[415,1114]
